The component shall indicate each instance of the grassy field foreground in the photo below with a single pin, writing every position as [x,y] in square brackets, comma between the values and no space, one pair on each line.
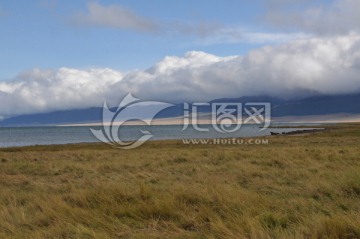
[294,187]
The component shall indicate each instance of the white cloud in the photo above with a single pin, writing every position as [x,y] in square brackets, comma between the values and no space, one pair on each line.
[207,33]
[115,16]
[45,90]
[239,35]
[338,17]
[326,65]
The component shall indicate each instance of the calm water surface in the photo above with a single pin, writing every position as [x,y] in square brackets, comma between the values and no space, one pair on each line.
[25,136]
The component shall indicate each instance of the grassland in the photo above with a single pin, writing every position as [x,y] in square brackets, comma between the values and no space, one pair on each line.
[294,187]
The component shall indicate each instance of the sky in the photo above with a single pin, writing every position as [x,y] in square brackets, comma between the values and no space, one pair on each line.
[54,34]
[58,55]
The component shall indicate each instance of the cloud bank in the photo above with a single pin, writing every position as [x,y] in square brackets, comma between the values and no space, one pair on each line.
[326,65]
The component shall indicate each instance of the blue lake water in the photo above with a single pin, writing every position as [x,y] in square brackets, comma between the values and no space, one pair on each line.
[26,136]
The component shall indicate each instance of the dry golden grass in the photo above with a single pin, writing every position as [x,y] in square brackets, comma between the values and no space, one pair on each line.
[295,187]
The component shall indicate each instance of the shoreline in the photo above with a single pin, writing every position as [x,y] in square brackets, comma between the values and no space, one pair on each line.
[206,120]
[298,132]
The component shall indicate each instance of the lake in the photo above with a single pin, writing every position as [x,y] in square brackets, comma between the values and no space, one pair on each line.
[26,136]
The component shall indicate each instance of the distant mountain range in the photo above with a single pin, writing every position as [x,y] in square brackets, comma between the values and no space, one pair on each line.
[316,105]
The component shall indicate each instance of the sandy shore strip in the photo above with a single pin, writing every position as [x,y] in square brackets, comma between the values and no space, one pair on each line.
[206,119]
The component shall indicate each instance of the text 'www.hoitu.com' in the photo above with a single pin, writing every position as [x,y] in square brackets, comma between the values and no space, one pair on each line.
[232,141]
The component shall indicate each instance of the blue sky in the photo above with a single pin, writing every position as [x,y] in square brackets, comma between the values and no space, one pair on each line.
[58,55]
[44,34]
